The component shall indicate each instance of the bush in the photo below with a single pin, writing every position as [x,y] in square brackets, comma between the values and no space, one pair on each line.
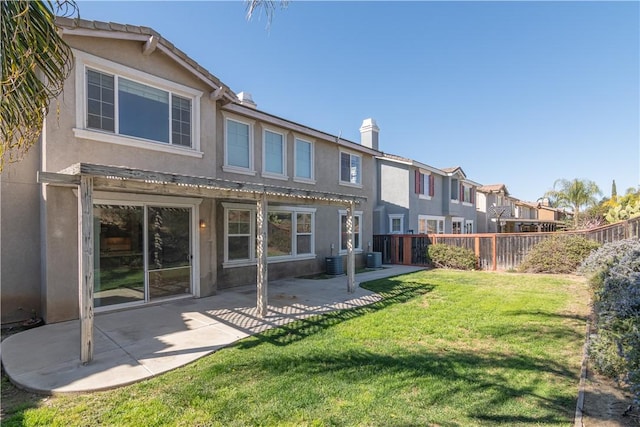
[445,256]
[615,351]
[598,263]
[558,254]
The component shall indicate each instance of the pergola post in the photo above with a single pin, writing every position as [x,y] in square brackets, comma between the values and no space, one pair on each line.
[85,267]
[261,249]
[351,266]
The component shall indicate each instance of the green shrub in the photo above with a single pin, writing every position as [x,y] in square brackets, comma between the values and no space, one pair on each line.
[558,254]
[445,256]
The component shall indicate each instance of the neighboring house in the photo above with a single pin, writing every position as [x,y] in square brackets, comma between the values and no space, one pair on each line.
[172,177]
[494,206]
[499,212]
[417,198]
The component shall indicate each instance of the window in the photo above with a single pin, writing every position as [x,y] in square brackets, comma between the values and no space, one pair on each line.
[424,184]
[468,194]
[279,234]
[468,227]
[430,224]
[240,234]
[274,153]
[396,223]
[289,233]
[350,168]
[238,145]
[304,159]
[456,225]
[455,189]
[304,233]
[137,110]
[357,224]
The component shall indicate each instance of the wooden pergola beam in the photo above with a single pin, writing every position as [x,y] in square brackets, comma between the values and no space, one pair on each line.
[89,178]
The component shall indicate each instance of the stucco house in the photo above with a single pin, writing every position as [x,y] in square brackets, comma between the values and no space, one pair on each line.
[153,180]
[500,212]
[414,197]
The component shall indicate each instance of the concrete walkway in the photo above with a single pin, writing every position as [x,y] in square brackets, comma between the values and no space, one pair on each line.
[135,344]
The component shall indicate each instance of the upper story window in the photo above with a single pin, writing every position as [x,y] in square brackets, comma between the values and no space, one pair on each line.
[468,195]
[121,105]
[303,166]
[424,184]
[238,147]
[455,189]
[350,168]
[130,108]
[274,152]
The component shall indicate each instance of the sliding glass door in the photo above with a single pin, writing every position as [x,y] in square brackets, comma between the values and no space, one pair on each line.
[142,253]
[169,254]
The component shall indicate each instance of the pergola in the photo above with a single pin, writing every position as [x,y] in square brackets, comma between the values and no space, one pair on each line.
[88,177]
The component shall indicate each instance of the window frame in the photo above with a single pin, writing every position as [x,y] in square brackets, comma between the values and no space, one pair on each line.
[233,168]
[343,213]
[268,174]
[457,220]
[252,260]
[467,223]
[349,183]
[425,181]
[440,220]
[296,177]
[85,61]
[393,217]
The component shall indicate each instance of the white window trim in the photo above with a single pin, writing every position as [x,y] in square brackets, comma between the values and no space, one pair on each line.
[425,196]
[470,187]
[439,219]
[236,169]
[283,175]
[85,60]
[252,253]
[349,183]
[144,200]
[466,223]
[460,220]
[396,216]
[297,178]
[342,212]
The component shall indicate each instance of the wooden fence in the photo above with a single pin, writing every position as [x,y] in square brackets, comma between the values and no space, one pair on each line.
[502,251]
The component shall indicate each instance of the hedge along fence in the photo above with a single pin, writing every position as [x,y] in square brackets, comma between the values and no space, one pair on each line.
[502,251]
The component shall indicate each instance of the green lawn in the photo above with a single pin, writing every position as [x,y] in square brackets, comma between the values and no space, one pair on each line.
[443,348]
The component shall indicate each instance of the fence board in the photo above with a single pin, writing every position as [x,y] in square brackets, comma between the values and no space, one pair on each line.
[502,251]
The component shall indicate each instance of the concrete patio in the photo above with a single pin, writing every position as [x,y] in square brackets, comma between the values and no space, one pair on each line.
[135,344]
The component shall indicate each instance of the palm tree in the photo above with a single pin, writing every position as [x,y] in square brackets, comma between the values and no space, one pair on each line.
[574,194]
[35,64]
[268,6]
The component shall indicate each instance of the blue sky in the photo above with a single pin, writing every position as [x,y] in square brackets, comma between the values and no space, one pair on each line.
[520,93]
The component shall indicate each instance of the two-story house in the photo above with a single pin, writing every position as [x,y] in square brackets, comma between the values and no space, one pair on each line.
[500,212]
[153,180]
[414,197]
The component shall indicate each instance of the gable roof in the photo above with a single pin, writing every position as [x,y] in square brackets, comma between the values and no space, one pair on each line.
[494,188]
[150,41]
[456,170]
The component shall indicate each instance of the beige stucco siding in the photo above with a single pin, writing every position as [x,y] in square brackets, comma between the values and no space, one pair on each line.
[64,148]
[20,239]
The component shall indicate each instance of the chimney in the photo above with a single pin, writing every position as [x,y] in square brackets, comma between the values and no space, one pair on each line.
[369,133]
[246,100]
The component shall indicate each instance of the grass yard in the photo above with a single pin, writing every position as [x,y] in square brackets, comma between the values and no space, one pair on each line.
[443,348]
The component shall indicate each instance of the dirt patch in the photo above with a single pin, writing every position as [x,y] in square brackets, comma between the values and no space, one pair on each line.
[607,404]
